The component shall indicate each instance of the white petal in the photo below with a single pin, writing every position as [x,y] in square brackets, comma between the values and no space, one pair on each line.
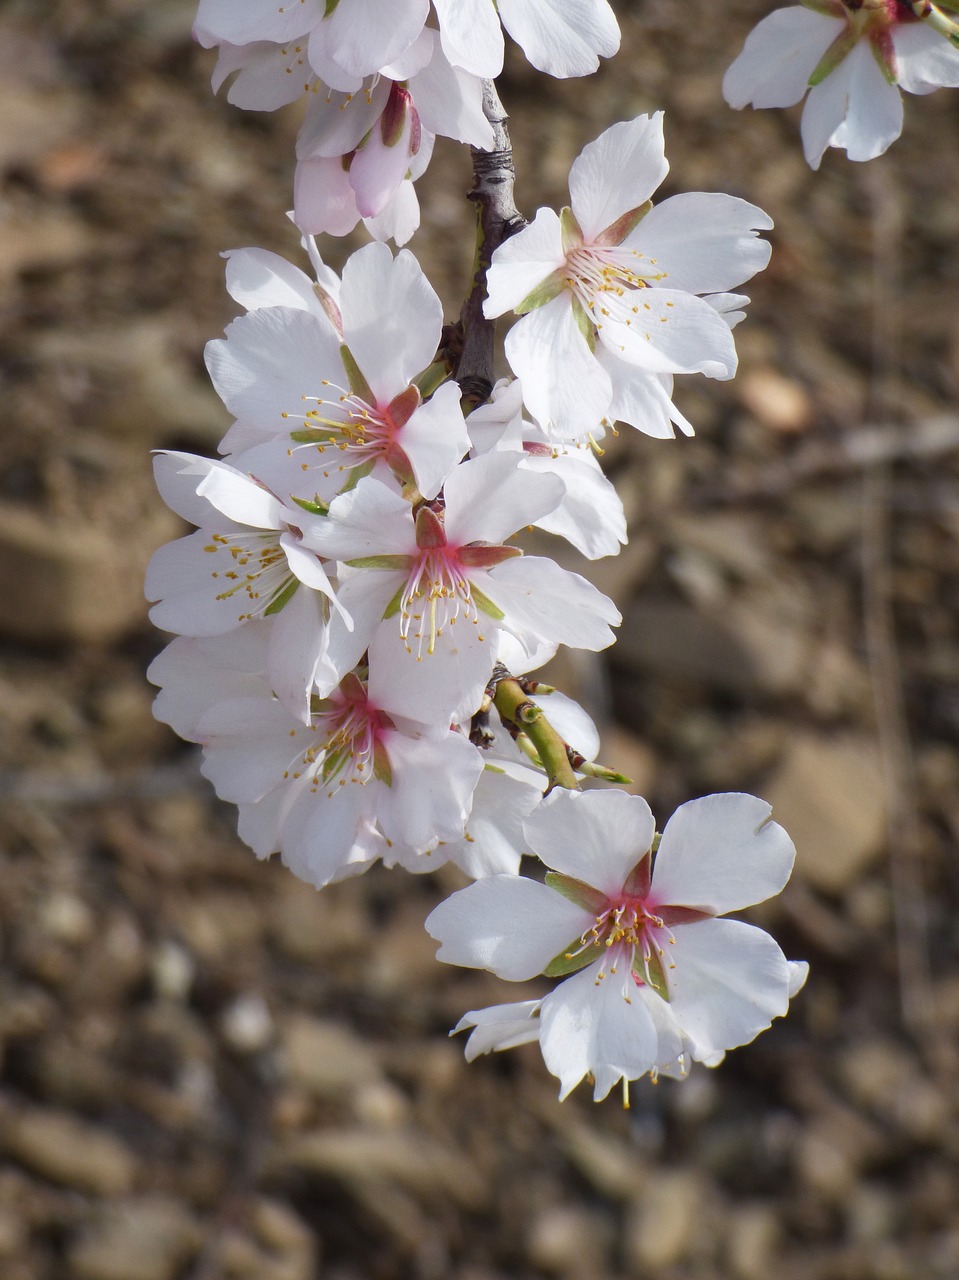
[493,841]
[257,19]
[779,56]
[562,37]
[618,172]
[442,687]
[924,58]
[508,924]
[721,853]
[270,367]
[365,35]
[594,836]
[670,331]
[526,259]
[450,102]
[392,318]
[500,1026]
[600,1026]
[323,200]
[435,439]
[564,384]
[431,790]
[854,108]
[538,596]
[705,243]
[471,35]
[257,278]
[726,983]
[491,497]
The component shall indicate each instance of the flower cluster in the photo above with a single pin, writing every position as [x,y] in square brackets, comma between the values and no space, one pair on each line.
[380,85]
[355,621]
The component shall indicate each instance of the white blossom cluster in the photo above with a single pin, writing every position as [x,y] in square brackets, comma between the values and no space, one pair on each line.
[355,625]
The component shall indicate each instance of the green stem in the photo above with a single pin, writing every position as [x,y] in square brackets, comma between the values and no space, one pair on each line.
[514,705]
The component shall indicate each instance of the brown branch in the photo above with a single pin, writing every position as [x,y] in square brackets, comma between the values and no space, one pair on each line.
[498,219]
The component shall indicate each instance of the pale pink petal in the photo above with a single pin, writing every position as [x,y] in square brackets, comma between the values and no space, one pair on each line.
[257,278]
[442,687]
[435,439]
[323,200]
[365,35]
[377,169]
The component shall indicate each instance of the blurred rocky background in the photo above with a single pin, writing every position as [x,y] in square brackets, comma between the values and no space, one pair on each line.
[210,1071]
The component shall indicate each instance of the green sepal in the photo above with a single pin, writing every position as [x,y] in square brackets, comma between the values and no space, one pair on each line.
[358,384]
[840,48]
[382,770]
[652,973]
[379,562]
[312,435]
[486,604]
[393,608]
[545,291]
[570,231]
[316,508]
[282,598]
[357,474]
[577,957]
[432,378]
[330,6]
[884,51]
[577,891]
[584,323]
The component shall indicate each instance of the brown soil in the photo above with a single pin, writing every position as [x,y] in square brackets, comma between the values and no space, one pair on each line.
[209,1070]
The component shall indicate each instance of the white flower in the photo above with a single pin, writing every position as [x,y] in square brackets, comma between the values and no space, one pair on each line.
[349,398]
[853,56]
[561,37]
[657,978]
[613,280]
[330,795]
[246,561]
[432,591]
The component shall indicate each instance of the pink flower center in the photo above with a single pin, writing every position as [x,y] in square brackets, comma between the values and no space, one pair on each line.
[609,282]
[437,592]
[635,936]
[343,743]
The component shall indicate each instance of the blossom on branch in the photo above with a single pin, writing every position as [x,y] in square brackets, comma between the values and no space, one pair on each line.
[608,290]
[657,978]
[853,56]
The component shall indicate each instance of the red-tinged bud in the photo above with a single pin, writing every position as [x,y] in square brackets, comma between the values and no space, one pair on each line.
[430,532]
[393,119]
[402,407]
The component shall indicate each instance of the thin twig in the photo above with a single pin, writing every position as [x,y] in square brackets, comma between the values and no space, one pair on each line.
[498,219]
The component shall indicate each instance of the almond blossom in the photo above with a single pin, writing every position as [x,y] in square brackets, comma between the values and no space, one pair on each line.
[249,559]
[340,400]
[332,794]
[657,978]
[432,590]
[853,57]
[613,282]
